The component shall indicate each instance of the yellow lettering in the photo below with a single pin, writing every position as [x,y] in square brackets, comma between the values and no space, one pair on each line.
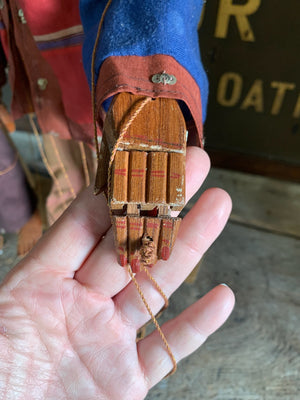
[237,84]
[240,11]
[255,97]
[282,88]
[296,113]
[202,16]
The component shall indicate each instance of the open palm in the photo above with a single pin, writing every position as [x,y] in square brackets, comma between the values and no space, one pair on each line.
[69,313]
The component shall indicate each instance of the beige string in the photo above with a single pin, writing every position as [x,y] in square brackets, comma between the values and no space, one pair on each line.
[154,320]
[10,167]
[159,289]
[93,80]
[61,164]
[84,164]
[43,155]
[123,131]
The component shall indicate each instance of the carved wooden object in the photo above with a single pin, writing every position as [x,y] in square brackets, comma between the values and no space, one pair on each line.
[147,178]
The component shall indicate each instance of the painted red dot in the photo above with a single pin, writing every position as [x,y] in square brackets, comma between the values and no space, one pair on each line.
[135,265]
[123,260]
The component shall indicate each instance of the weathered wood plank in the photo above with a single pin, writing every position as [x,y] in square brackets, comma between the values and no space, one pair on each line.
[258,201]
[176,180]
[121,238]
[157,178]
[120,177]
[168,233]
[165,130]
[137,177]
[255,355]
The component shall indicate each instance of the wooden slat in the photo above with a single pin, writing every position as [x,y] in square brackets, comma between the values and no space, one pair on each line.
[168,233]
[176,181]
[152,229]
[137,176]
[157,177]
[120,234]
[254,164]
[102,168]
[135,234]
[163,210]
[120,177]
[258,201]
[164,130]
[132,210]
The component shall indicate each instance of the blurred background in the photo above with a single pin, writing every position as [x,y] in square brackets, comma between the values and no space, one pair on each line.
[250,49]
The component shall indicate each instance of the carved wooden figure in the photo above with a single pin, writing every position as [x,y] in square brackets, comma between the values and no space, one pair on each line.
[142,169]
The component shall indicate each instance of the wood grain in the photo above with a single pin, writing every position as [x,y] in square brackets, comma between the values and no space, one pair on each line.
[159,127]
[168,234]
[258,201]
[254,164]
[157,178]
[176,181]
[120,178]
[148,172]
[119,225]
[137,177]
[256,354]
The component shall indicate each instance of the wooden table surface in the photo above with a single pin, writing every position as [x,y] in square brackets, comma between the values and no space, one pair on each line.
[256,354]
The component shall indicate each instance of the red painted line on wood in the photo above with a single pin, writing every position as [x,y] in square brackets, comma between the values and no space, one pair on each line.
[152,225]
[175,176]
[136,223]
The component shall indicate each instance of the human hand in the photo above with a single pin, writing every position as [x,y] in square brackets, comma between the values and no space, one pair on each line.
[69,313]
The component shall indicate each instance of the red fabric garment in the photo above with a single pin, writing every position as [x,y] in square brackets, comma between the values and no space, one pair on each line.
[64,105]
[133,74]
[45,42]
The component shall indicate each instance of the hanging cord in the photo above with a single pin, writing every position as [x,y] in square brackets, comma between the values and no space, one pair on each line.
[93,79]
[122,133]
[63,168]
[84,164]
[43,155]
[10,167]
[159,289]
[138,108]
[161,334]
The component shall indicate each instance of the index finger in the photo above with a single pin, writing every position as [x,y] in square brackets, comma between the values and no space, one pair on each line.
[67,244]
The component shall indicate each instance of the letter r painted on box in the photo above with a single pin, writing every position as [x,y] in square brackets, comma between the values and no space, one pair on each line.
[240,12]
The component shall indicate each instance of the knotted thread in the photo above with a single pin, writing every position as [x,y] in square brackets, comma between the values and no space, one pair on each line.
[139,106]
[154,320]
[148,251]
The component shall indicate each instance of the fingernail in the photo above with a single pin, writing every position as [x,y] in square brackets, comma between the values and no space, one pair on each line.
[224,284]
